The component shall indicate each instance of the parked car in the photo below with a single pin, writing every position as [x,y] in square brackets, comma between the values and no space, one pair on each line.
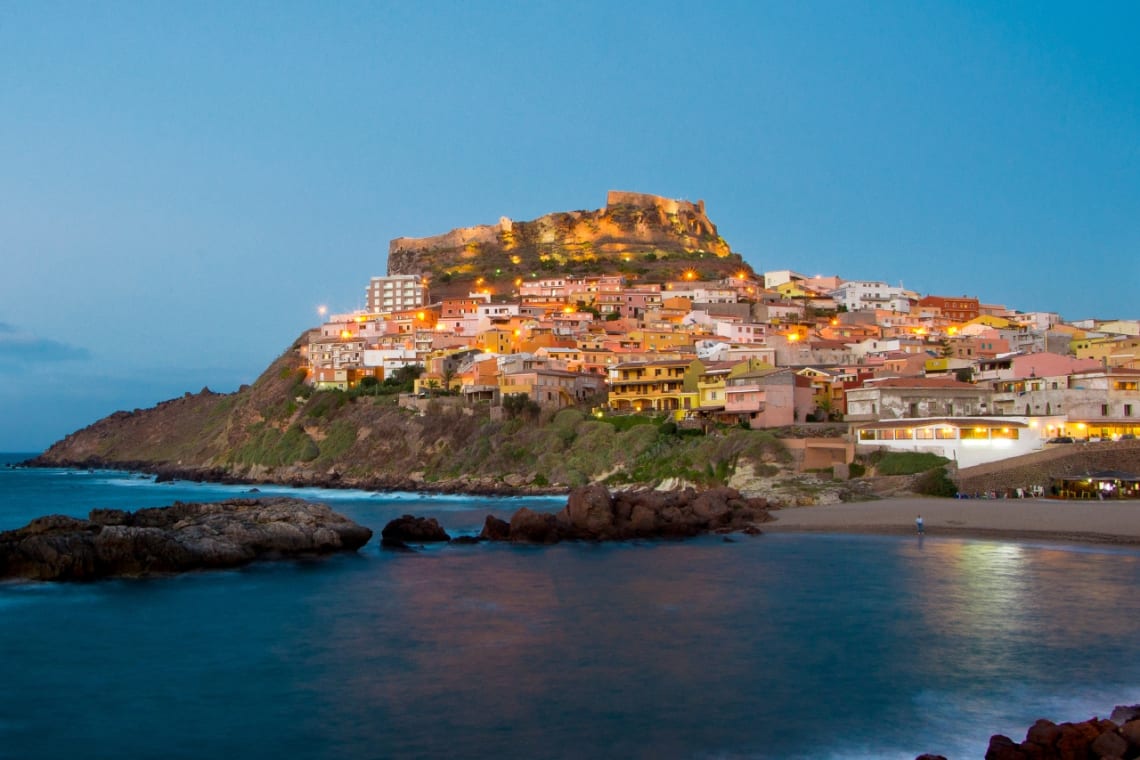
[1061,439]
[1127,437]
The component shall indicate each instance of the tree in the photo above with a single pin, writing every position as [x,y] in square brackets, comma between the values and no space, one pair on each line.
[404,378]
[516,404]
[448,376]
[369,385]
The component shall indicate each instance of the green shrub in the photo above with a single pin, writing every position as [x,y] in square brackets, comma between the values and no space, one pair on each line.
[520,405]
[856,470]
[324,402]
[626,421]
[909,463]
[936,482]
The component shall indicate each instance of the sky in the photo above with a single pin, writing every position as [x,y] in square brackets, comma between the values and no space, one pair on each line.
[183,184]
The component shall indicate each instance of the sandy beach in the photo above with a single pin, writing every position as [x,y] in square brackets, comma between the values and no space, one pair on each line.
[1110,522]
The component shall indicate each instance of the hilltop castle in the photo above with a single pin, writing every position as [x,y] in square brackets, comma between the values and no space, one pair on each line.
[630,227]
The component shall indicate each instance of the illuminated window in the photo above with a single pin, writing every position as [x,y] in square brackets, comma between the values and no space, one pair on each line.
[945,433]
[974,434]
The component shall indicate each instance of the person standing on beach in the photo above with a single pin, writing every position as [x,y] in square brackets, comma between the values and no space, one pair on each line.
[918,525]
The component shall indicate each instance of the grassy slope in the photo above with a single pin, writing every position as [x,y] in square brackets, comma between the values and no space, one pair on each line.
[269,432]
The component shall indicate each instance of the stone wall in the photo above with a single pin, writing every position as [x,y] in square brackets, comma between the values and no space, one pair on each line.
[630,222]
[1042,467]
[646,200]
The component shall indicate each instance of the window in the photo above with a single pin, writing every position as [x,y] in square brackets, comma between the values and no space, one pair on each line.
[1104,410]
[1128,410]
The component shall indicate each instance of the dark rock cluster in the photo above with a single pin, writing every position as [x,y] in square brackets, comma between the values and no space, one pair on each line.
[1116,738]
[592,513]
[407,529]
[174,539]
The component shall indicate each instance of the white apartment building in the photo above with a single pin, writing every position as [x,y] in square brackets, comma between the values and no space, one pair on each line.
[397,292]
[861,295]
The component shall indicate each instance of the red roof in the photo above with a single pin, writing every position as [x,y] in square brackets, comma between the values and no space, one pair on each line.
[918,382]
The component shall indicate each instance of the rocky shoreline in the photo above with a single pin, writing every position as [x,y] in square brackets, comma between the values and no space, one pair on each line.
[593,513]
[1114,738]
[175,539]
[384,483]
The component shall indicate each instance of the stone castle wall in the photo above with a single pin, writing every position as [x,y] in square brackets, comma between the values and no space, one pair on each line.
[645,200]
[629,222]
[489,233]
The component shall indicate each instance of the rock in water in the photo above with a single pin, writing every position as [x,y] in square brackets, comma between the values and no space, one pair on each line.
[495,529]
[399,532]
[592,513]
[175,539]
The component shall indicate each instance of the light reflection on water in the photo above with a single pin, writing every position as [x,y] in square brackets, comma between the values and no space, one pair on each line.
[779,646]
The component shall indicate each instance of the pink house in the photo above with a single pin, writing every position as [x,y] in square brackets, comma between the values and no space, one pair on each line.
[769,398]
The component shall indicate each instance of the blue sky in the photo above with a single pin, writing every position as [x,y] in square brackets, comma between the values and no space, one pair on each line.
[181,185]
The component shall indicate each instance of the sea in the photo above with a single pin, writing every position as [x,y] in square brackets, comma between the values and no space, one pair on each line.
[773,646]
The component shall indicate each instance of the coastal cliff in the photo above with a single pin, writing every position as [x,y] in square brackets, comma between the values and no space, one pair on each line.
[278,431]
[639,235]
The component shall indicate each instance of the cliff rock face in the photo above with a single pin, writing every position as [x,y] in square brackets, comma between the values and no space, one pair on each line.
[634,232]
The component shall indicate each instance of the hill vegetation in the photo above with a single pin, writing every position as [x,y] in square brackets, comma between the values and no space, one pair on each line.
[280,430]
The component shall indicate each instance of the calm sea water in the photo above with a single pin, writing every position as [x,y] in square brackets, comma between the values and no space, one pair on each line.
[778,646]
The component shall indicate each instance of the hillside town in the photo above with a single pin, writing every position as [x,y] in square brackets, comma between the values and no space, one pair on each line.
[970,381]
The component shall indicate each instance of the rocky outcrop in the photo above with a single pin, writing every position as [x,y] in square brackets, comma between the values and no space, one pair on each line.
[174,539]
[592,513]
[1116,738]
[407,529]
[633,230]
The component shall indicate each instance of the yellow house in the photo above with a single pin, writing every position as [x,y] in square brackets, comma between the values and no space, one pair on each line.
[660,340]
[711,384]
[988,320]
[661,385]
[1113,350]
[793,289]
[498,340]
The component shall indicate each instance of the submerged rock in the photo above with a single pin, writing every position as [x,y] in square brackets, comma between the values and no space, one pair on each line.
[174,539]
